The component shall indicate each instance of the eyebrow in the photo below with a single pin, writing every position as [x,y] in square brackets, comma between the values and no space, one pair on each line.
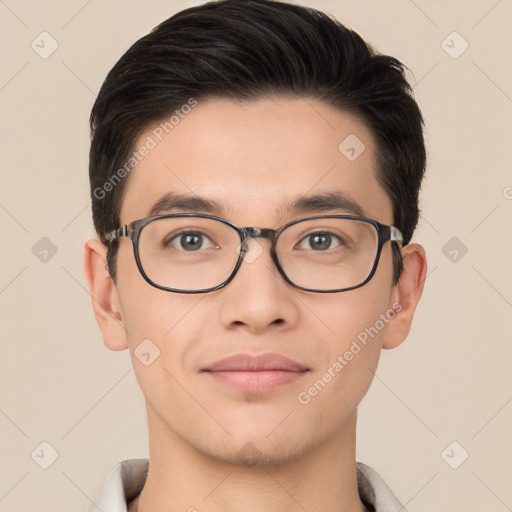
[326,202]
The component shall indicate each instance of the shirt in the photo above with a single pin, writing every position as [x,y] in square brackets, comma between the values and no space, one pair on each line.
[126,480]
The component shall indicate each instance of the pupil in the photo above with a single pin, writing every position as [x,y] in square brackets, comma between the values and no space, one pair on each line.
[320,241]
[193,241]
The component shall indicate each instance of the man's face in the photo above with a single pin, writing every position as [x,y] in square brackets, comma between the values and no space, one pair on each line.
[254,159]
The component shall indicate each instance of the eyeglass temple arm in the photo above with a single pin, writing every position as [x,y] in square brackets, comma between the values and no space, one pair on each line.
[396,235]
[117,233]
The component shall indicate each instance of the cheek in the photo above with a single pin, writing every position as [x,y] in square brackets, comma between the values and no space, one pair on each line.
[349,361]
[350,325]
[159,323]
[162,333]
[341,318]
[147,311]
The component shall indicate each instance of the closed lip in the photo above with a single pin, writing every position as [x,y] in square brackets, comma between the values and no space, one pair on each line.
[259,363]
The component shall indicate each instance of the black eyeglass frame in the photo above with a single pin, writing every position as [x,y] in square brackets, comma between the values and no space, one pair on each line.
[132,231]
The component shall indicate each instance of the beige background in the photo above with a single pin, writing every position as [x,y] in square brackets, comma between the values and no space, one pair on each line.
[451,381]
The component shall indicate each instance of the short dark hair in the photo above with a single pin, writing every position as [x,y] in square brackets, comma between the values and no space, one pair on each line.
[246,50]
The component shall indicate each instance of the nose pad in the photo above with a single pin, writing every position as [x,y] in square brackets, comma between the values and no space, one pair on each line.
[251,251]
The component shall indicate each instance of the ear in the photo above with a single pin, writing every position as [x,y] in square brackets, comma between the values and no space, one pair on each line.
[105,301]
[406,295]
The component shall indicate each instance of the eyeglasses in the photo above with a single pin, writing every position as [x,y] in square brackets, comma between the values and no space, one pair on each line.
[195,253]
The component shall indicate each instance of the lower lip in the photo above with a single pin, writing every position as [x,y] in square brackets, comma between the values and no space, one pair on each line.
[257,382]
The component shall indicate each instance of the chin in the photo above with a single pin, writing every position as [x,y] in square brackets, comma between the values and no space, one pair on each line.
[255,453]
[273,446]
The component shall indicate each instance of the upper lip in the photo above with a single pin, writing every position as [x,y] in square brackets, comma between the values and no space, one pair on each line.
[250,363]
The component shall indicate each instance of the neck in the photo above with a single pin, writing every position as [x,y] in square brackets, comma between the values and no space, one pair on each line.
[182,478]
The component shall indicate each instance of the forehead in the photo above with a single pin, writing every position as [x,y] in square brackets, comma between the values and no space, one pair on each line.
[253,159]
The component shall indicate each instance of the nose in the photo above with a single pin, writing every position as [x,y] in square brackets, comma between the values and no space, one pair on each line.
[258,298]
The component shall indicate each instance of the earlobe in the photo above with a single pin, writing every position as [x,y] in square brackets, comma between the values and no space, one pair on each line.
[105,301]
[406,294]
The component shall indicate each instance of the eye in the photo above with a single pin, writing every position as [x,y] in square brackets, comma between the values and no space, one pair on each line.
[321,241]
[189,241]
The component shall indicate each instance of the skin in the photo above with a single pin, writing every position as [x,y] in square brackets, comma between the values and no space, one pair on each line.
[254,157]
